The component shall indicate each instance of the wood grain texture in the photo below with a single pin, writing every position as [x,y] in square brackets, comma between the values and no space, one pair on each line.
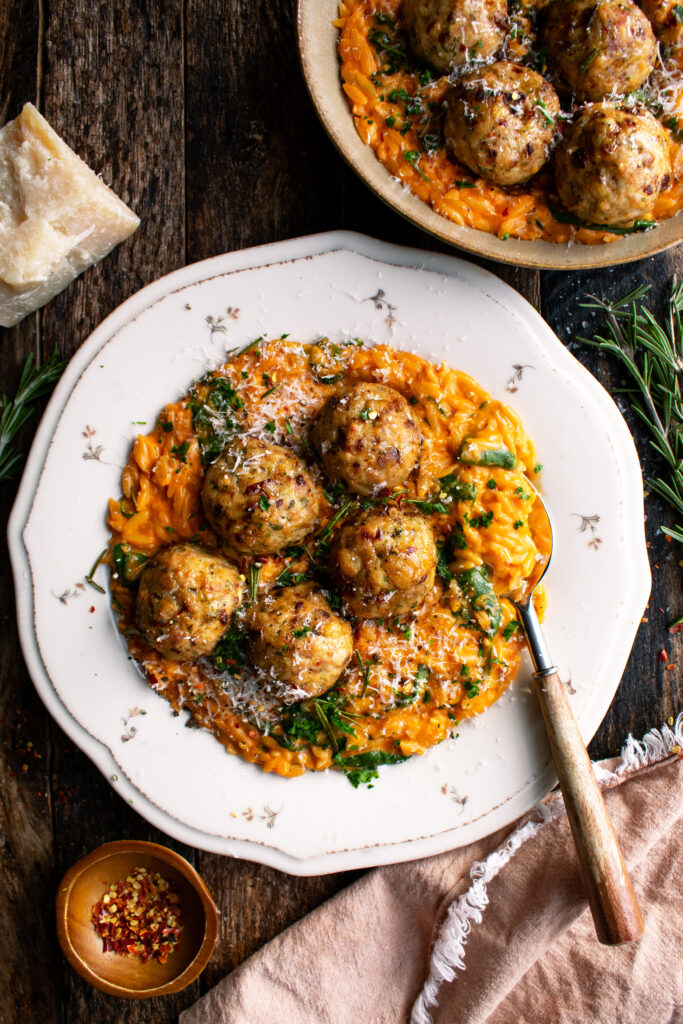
[196,113]
[650,692]
[613,904]
[26,833]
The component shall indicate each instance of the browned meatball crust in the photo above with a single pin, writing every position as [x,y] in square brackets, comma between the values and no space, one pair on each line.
[259,497]
[612,164]
[298,641]
[600,47]
[448,33]
[384,561]
[367,437]
[185,601]
[501,121]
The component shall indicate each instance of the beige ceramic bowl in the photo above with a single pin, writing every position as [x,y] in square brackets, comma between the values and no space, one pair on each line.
[318,48]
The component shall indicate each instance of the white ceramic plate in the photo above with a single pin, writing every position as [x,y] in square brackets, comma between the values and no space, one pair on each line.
[318,40]
[146,353]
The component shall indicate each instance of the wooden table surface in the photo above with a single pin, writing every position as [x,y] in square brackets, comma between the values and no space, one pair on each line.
[196,113]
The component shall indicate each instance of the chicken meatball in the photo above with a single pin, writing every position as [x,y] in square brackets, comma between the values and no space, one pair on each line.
[612,164]
[384,560]
[298,641]
[448,33]
[501,122]
[367,437]
[600,47]
[259,497]
[185,601]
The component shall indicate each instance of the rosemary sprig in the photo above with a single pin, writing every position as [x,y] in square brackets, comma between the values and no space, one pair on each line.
[35,382]
[651,352]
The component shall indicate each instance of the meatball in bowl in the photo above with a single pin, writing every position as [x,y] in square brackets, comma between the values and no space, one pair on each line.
[260,497]
[448,33]
[298,641]
[384,561]
[186,599]
[367,438]
[501,122]
[599,47]
[612,164]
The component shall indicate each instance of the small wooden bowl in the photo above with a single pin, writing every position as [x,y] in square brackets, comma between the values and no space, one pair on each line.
[128,976]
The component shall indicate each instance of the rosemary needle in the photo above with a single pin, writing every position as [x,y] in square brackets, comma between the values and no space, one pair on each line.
[651,352]
[35,382]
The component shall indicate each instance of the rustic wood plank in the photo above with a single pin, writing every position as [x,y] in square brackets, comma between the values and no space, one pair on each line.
[113,88]
[26,864]
[650,692]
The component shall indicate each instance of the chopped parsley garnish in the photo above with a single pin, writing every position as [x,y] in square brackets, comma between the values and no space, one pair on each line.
[491,484]
[390,45]
[299,633]
[483,521]
[269,426]
[181,450]
[464,184]
[290,579]
[231,650]
[166,427]
[211,414]
[413,103]
[413,156]
[264,504]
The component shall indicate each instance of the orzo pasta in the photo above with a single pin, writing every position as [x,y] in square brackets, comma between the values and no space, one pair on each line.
[412,677]
[399,103]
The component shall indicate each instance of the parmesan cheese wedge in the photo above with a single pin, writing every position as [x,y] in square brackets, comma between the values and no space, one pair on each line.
[56,217]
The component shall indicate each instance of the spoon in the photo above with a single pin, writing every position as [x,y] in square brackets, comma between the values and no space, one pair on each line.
[611,897]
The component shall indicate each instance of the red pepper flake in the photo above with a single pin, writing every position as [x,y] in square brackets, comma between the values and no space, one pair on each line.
[140,916]
[663,656]
[91,609]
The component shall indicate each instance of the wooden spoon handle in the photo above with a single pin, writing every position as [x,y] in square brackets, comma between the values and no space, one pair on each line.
[610,893]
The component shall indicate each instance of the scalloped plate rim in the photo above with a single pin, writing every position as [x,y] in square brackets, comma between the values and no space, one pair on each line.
[274,253]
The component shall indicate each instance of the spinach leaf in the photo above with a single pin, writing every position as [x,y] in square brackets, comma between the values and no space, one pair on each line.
[361,769]
[481,599]
[128,564]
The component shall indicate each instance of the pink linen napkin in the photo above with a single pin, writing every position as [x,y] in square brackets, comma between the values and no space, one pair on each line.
[496,932]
